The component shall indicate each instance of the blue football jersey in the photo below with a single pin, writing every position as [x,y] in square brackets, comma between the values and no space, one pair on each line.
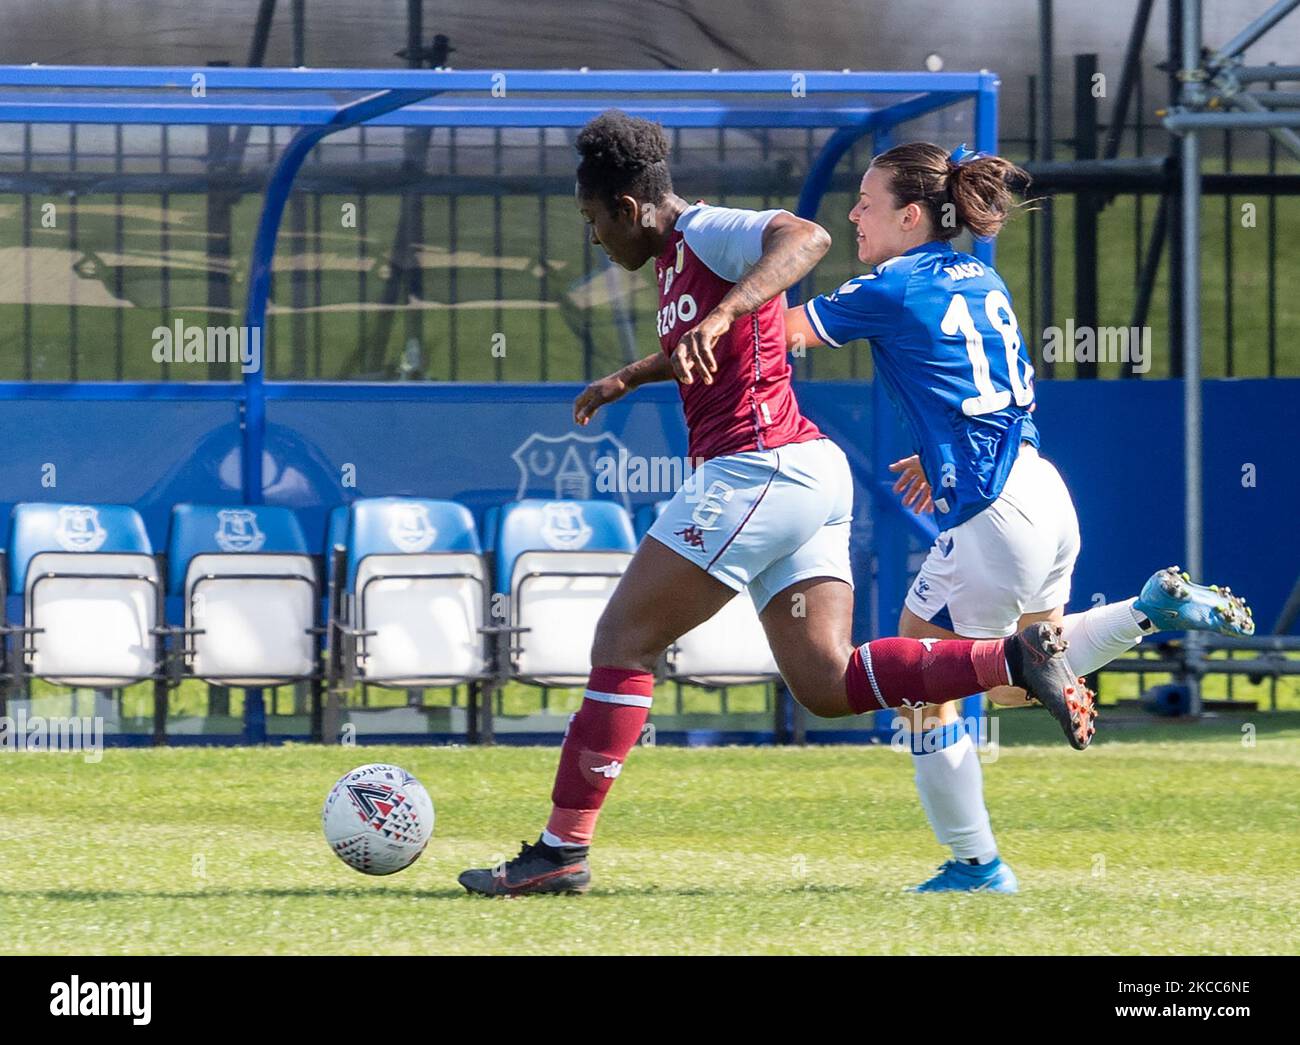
[947,346]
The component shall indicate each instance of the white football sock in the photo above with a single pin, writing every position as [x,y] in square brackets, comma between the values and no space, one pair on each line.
[950,781]
[1099,635]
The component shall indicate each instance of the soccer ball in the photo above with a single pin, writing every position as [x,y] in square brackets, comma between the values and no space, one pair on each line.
[378,819]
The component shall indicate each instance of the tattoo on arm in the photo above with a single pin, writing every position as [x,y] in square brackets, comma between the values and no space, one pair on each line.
[792,252]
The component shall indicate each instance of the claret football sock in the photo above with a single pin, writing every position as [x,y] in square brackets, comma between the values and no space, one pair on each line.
[600,735]
[897,672]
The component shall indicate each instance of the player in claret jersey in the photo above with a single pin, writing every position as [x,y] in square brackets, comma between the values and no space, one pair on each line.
[947,346]
[768,510]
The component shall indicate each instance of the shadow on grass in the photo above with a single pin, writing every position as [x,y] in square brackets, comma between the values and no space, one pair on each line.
[329,892]
[409,893]
[648,891]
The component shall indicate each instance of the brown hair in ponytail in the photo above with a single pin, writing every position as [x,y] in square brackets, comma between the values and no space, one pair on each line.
[975,195]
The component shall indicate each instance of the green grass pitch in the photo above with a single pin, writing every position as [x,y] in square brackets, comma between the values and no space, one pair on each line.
[1163,839]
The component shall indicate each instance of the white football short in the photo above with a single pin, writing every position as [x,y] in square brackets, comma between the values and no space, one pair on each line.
[1014,557]
[765,519]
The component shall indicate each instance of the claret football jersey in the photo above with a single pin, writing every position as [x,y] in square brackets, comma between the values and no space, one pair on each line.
[750,405]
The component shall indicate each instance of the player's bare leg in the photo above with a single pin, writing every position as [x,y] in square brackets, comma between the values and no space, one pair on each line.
[660,598]
[809,629]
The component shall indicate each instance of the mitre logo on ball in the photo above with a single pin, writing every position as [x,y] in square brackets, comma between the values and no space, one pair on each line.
[378,819]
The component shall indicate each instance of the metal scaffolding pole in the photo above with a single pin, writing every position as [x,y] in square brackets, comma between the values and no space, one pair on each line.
[1253,31]
[1206,83]
[1191,293]
[1267,73]
[1285,137]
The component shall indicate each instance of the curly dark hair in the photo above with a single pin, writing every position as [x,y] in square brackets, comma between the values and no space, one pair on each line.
[623,155]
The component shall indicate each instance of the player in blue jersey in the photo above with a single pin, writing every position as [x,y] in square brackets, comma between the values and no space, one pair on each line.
[948,348]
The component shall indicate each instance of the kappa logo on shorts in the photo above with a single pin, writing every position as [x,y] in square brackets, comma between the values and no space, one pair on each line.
[692,535]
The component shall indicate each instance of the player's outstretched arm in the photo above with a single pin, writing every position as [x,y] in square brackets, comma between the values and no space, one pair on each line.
[799,333]
[655,367]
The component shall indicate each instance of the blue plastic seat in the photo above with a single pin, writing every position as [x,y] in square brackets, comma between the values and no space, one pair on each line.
[646,516]
[91,593]
[336,529]
[559,561]
[250,589]
[419,583]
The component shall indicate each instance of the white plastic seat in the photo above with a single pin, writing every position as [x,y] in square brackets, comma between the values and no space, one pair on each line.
[425,611]
[94,630]
[728,648]
[559,597]
[255,630]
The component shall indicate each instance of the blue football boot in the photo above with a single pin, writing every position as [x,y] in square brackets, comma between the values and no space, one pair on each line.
[1171,602]
[957,877]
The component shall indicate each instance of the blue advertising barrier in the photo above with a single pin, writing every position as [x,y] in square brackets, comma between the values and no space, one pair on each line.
[1116,442]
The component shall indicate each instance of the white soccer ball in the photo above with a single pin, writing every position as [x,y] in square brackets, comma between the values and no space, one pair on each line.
[378,819]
